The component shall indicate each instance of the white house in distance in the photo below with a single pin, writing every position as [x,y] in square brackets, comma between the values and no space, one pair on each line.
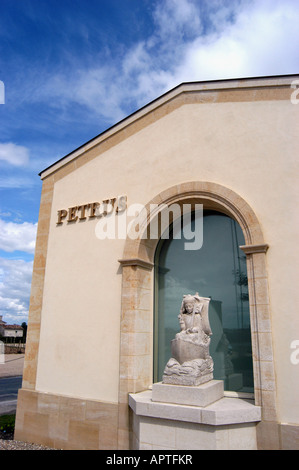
[10,331]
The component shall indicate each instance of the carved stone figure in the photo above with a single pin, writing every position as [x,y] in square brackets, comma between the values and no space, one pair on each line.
[191,363]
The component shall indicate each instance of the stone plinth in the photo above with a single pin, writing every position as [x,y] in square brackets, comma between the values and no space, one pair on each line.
[201,395]
[227,423]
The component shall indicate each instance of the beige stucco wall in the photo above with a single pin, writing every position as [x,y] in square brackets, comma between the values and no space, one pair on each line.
[249,147]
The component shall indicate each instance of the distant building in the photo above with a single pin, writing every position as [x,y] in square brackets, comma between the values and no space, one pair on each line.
[10,331]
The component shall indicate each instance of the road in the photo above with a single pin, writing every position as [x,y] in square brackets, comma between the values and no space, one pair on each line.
[9,387]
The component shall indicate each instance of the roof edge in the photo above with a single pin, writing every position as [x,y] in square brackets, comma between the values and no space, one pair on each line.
[233,83]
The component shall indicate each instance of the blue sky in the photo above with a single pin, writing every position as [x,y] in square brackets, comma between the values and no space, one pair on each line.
[73,68]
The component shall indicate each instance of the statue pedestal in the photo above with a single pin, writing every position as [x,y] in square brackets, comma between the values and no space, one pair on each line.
[178,417]
[201,395]
[188,409]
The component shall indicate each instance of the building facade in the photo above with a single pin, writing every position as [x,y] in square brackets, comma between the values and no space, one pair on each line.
[10,331]
[228,148]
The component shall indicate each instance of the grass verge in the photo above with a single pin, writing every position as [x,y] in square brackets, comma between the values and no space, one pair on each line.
[7,426]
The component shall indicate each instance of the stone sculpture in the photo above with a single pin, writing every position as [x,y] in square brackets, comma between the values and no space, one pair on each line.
[191,363]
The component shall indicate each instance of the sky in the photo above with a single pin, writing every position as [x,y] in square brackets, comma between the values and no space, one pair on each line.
[70,69]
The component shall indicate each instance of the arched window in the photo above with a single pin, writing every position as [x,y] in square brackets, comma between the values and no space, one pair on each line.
[217,270]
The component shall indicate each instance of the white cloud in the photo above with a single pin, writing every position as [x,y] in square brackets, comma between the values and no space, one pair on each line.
[15,281]
[178,18]
[191,41]
[15,274]
[19,237]
[261,41]
[16,155]
[16,182]
[229,40]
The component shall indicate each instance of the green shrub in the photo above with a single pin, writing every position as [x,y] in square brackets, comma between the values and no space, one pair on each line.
[7,423]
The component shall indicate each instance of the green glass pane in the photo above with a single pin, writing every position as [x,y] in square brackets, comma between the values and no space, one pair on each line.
[218,271]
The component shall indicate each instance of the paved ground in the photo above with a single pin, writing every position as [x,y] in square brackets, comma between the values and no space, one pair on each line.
[9,387]
[11,371]
[13,365]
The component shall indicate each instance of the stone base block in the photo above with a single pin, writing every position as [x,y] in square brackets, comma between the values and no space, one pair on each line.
[157,434]
[201,395]
[67,423]
[227,424]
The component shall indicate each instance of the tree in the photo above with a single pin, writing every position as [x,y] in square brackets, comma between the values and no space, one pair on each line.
[24,326]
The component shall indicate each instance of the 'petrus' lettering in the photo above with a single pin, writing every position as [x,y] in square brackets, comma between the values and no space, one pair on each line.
[91,210]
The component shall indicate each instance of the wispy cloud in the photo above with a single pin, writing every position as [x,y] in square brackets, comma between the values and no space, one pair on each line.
[13,154]
[180,19]
[16,182]
[17,237]
[191,41]
[15,280]
[261,40]
[16,274]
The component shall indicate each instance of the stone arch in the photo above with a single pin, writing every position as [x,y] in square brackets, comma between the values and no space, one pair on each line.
[136,335]
[213,196]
